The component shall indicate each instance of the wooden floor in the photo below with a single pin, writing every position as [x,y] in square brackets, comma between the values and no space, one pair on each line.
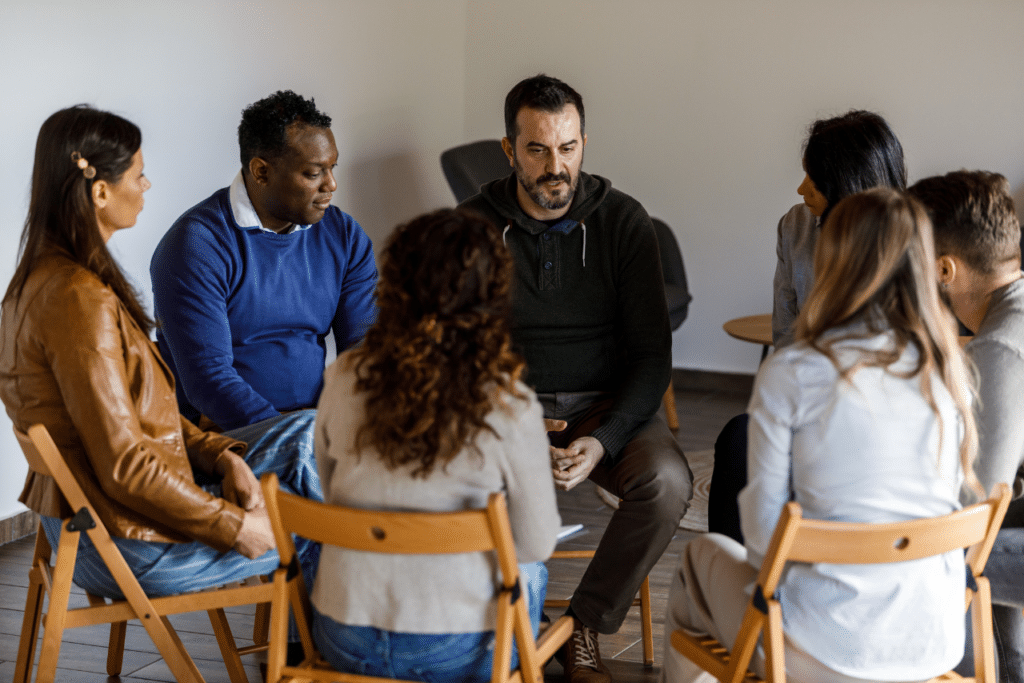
[83,654]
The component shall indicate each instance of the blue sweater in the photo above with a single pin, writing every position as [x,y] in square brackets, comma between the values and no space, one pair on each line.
[243,313]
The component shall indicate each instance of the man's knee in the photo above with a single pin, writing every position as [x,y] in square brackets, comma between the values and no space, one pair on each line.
[665,481]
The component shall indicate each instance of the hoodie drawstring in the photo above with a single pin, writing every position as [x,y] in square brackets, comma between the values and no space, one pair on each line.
[505,232]
[584,243]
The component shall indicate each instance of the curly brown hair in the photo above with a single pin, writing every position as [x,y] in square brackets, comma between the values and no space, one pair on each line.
[439,357]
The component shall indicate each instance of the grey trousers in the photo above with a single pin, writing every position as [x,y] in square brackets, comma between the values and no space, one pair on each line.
[655,484]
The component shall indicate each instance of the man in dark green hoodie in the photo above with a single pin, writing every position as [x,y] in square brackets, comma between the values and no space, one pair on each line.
[589,316]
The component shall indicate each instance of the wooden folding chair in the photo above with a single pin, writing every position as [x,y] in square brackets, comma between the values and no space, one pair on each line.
[807,540]
[44,458]
[406,533]
[642,600]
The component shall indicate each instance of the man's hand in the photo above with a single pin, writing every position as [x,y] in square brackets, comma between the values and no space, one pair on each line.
[239,486]
[573,464]
[256,536]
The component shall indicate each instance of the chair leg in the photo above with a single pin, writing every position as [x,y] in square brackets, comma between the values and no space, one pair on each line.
[228,649]
[646,622]
[670,407]
[56,613]
[774,649]
[984,640]
[170,647]
[115,648]
[30,629]
[29,633]
[33,615]
[261,626]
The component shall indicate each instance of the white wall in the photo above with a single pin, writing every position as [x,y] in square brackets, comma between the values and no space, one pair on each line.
[390,72]
[699,109]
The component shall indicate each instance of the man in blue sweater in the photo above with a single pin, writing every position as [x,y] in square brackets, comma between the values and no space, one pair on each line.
[248,283]
[589,316]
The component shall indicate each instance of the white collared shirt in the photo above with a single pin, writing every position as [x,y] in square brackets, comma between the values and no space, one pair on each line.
[244,213]
[864,449]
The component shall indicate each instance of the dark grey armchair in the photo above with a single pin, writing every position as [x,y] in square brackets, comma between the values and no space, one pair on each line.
[469,166]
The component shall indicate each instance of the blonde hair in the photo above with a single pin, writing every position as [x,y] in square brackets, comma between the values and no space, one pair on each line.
[875,264]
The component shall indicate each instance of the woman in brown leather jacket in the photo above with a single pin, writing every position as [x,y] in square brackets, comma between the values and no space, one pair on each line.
[75,355]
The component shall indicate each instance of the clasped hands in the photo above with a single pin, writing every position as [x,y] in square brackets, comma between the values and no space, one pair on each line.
[572,464]
[241,487]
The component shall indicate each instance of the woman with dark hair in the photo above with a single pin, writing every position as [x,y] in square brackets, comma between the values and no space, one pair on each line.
[865,418]
[75,356]
[430,414]
[842,156]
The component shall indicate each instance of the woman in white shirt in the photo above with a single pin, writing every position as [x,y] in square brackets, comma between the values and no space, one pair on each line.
[866,418]
[429,414]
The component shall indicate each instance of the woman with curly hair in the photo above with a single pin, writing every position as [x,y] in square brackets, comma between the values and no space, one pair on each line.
[429,414]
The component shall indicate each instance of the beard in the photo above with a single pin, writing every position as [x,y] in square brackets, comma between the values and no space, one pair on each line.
[539,194]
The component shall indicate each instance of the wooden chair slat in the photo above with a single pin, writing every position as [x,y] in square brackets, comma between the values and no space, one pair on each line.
[484,530]
[801,540]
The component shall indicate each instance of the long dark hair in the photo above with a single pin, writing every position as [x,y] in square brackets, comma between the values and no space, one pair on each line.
[851,153]
[439,357]
[61,213]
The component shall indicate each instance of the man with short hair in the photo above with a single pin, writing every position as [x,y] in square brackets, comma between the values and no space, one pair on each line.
[248,283]
[589,317]
[977,247]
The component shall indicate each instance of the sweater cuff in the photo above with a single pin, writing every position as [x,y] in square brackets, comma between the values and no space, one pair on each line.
[614,434]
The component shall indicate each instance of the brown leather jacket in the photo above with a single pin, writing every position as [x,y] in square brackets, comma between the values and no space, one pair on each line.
[73,359]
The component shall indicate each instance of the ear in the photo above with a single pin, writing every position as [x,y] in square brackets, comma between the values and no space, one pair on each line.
[584,141]
[506,146]
[100,193]
[946,269]
[259,170]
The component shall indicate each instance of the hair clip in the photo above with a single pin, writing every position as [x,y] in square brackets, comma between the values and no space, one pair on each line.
[83,163]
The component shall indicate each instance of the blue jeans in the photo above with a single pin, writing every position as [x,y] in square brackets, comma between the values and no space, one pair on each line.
[428,657]
[282,444]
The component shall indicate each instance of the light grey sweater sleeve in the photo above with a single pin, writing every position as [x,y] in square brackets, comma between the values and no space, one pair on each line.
[1000,418]
[794,272]
[530,489]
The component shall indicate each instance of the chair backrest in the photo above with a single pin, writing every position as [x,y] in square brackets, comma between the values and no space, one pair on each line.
[469,166]
[671,258]
[406,533]
[806,540]
[36,462]
[44,458]
[809,540]
[677,292]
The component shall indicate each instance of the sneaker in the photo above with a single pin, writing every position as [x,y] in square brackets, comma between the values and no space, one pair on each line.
[581,657]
